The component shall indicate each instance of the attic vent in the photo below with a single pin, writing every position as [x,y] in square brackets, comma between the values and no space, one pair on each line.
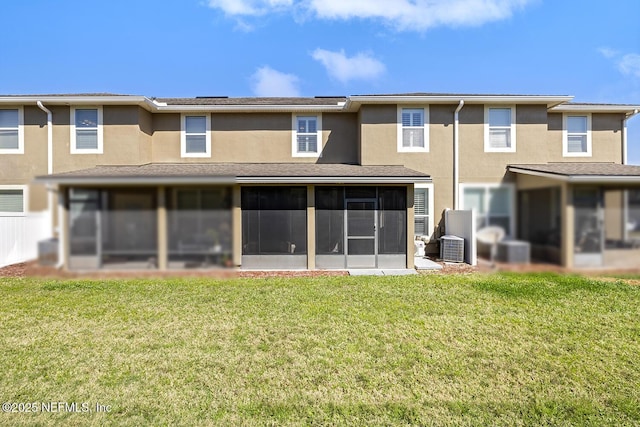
[212,97]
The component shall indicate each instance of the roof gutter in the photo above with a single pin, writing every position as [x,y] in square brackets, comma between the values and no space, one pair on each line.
[159,180]
[456,155]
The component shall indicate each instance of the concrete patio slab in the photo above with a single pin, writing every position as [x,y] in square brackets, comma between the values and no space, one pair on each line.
[426,264]
[382,272]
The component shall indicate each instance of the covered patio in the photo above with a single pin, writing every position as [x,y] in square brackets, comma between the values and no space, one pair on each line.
[258,216]
[580,215]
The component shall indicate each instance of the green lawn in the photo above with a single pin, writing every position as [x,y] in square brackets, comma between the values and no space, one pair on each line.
[421,350]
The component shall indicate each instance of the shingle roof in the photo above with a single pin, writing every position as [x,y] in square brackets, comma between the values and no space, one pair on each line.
[237,172]
[581,169]
[252,101]
[454,94]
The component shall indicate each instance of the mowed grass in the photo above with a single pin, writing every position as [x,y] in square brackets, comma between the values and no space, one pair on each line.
[504,349]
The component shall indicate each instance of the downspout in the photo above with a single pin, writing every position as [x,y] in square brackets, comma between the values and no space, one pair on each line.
[50,188]
[625,198]
[49,137]
[456,156]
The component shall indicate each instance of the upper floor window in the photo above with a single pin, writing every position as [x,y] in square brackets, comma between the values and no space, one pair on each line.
[11,131]
[576,136]
[12,200]
[196,136]
[413,131]
[307,136]
[86,130]
[499,129]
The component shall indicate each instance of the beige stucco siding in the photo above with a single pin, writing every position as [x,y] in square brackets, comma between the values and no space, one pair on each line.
[379,146]
[607,137]
[531,143]
[253,138]
[20,169]
[145,124]
[121,140]
[340,138]
[257,138]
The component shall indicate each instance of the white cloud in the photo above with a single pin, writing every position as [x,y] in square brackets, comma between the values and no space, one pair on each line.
[344,68]
[607,52]
[269,82]
[630,64]
[415,15]
[249,7]
[419,15]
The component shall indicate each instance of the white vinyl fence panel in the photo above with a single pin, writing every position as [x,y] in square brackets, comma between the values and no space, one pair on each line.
[19,237]
[463,224]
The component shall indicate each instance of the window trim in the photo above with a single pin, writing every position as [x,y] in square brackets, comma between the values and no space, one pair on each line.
[74,149]
[565,136]
[183,136]
[429,201]
[486,186]
[25,200]
[20,149]
[294,136]
[425,121]
[487,142]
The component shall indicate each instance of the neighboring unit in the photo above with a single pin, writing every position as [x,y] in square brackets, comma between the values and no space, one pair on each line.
[312,183]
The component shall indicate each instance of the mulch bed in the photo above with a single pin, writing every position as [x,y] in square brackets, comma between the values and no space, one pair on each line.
[33,269]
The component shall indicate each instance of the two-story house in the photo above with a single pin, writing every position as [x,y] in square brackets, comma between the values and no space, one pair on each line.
[306,183]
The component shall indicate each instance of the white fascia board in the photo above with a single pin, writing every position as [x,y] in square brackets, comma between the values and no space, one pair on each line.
[141,101]
[86,181]
[71,99]
[247,108]
[133,181]
[629,110]
[331,180]
[581,179]
[468,99]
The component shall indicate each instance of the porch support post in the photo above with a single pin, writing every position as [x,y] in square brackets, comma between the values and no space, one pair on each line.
[410,226]
[236,222]
[162,229]
[567,226]
[63,229]
[311,227]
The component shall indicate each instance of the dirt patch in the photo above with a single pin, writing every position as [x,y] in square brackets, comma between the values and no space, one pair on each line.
[33,269]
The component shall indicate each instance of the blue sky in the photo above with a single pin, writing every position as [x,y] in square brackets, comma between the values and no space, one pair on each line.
[589,49]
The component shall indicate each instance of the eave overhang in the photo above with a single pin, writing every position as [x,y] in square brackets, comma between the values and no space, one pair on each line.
[237,173]
[578,178]
[550,101]
[628,110]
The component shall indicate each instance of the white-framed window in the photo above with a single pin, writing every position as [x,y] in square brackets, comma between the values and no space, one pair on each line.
[494,205]
[86,130]
[413,129]
[500,129]
[576,135]
[13,200]
[423,210]
[11,131]
[307,136]
[195,135]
